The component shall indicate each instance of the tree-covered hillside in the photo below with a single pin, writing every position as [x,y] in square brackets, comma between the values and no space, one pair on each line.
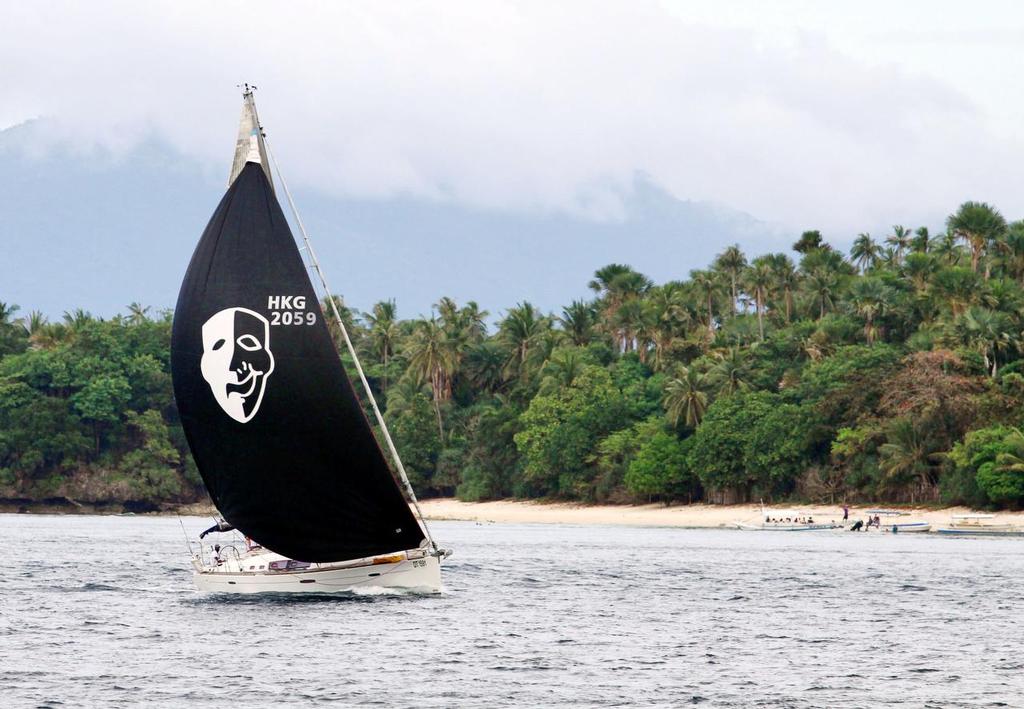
[894,372]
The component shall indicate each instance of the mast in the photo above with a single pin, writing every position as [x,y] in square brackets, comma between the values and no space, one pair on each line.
[257,142]
[250,146]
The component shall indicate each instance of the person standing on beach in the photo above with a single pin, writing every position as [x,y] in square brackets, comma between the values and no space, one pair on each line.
[846,513]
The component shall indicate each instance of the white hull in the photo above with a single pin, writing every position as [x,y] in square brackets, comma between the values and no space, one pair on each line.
[414,571]
[785,527]
[979,531]
[907,527]
[900,528]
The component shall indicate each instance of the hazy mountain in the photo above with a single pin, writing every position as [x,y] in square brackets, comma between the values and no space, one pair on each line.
[99,231]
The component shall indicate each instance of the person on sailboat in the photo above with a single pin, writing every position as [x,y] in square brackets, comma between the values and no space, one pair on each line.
[215,559]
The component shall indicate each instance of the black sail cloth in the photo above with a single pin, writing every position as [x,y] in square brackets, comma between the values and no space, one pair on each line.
[273,422]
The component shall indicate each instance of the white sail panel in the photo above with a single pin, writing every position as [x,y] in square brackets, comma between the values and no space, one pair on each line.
[250,146]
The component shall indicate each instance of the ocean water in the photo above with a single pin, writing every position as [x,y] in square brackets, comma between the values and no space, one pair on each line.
[100,611]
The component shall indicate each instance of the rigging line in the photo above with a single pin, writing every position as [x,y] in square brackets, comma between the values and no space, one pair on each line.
[188,542]
[351,349]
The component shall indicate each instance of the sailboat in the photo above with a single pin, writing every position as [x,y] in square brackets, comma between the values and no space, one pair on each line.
[273,421]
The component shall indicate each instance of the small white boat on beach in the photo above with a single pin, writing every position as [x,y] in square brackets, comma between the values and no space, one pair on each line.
[786,521]
[980,525]
[889,522]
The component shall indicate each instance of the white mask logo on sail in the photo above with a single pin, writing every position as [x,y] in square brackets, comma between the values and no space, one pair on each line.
[237,360]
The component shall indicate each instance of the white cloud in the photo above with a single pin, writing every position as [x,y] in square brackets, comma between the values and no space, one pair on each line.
[794,112]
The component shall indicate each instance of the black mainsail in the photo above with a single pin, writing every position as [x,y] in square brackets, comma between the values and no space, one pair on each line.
[273,421]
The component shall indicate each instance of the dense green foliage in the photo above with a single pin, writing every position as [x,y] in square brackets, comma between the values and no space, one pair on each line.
[86,411]
[892,373]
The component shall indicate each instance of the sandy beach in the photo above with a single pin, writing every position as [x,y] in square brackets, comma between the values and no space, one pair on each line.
[657,515]
[696,516]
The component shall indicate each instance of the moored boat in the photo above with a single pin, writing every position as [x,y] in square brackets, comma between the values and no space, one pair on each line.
[980,525]
[889,521]
[786,521]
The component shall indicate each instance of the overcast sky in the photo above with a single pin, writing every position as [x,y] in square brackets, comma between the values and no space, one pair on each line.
[801,113]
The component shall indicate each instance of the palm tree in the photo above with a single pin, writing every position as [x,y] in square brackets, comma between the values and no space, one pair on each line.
[629,323]
[870,298]
[383,325]
[76,319]
[137,314]
[978,224]
[403,394]
[757,280]
[432,358]
[577,320]
[741,331]
[919,268]
[34,325]
[906,454]
[731,372]
[73,322]
[7,312]
[732,263]
[889,258]
[822,284]
[786,279]
[473,321]
[605,277]
[707,287]
[958,288]
[448,313]
[1004,295]
[561,370]
[864,252]
[899,240]
[42,334]
[946,249]
[667,316]
[990,332]
[685,397]
[484,364]
[921,241]
[809,241]
[1010,251]
[520,331]
[616,283]
[11,330]
[347,317]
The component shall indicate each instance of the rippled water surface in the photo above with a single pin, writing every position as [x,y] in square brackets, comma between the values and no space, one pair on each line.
[100,611]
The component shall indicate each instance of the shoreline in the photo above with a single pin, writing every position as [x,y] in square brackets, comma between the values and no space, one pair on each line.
[694,516]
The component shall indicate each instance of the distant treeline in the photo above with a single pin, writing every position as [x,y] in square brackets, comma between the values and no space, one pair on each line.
[893,373]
